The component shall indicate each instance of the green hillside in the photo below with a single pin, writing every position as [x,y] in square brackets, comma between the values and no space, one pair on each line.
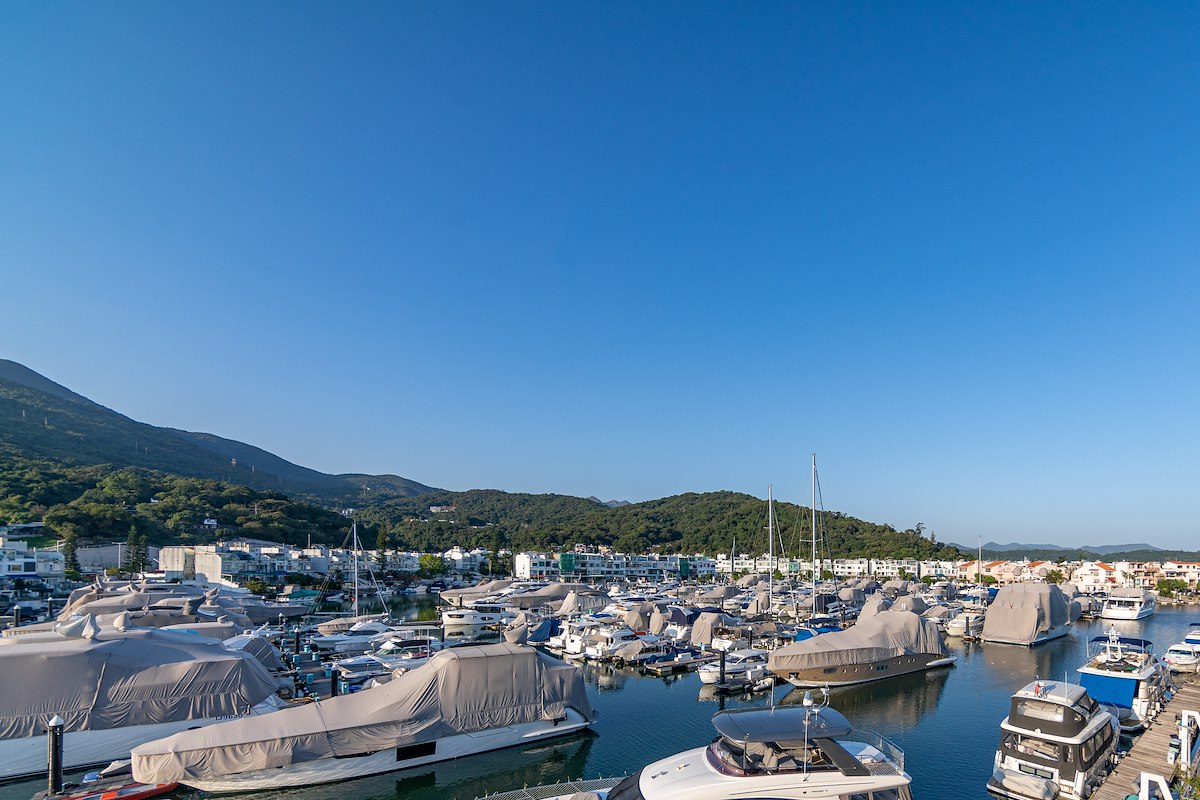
[102,503]
[708,523]
[41,420]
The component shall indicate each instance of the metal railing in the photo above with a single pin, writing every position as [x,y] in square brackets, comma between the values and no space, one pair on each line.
[555,790]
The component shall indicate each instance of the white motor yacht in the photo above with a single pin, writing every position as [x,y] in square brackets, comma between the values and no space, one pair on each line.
[359,638]
[791,752]
[1183,657]
[968,624]
[1125,674]
[1056,742]
[741,666]
[478,614]
[1129,604]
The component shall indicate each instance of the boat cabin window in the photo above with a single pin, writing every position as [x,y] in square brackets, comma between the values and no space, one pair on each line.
[899,793]
[1030,746]
[1038,709]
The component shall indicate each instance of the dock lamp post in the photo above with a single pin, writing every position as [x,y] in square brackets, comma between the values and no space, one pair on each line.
[54,731]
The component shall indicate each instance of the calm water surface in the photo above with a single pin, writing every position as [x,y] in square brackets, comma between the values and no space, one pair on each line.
[946,721]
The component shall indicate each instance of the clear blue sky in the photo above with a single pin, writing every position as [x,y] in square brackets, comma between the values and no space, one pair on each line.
[631,249]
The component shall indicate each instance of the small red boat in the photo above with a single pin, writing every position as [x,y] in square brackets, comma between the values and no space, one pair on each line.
[125,791]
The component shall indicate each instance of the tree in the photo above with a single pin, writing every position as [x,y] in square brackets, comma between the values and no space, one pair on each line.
[143,554]
[69,544]
[1054,576]
[1170,586]
[129,560]
[430,565]
[494,557]
[382,543]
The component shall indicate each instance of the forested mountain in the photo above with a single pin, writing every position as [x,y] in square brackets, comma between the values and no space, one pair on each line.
[102,503]
[40,419]
[708,523]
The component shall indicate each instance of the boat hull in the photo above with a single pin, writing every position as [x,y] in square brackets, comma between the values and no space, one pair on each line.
[330,770]
[851,674]
[26,757]
[1046,636]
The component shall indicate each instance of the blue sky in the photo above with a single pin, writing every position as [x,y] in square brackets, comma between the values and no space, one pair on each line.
[632,249]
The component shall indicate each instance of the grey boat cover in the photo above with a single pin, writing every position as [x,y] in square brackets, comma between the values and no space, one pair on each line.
[854,597]
[141,676]
[910,602]
[886,635]
[746,581]
[638,618]
[1022,611]
[459,690]
[719,594]
[577,601]
[260,647]
[658,622]
[554,593]
[702,628]
[876,604]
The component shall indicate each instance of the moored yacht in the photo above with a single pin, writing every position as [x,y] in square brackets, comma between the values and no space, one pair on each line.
[1055,742]
[466,700]
[1183,657]
[1124,673]
[967,625]
[741,666]
[478,614]
[792,752]
[1028,614]
[1128,604]
[885,645]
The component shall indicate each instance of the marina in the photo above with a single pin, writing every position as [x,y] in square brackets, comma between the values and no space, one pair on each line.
[946,721]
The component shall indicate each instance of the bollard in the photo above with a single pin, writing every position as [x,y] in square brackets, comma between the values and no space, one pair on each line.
[334,687]
[54,739]
[16,616]
[721,682]
[295,641]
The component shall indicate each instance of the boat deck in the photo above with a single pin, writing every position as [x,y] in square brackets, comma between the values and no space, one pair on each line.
[673,667]
[555,790]
[1149,753]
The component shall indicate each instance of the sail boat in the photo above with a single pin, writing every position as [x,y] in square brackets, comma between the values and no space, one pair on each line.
[882,646]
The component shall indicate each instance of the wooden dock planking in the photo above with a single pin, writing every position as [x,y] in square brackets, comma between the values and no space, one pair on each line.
[1149,753]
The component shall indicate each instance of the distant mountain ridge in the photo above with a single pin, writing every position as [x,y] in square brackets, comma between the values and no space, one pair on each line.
[42,419]
[996,550]
[609,503]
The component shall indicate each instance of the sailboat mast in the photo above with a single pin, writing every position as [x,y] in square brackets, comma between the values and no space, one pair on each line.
[770,549]
[814,529]
[354,562]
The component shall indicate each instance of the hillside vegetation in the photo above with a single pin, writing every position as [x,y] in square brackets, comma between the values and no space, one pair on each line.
[687,523]
[103,503]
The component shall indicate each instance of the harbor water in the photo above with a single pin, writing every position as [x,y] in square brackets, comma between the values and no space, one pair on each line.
[946,720]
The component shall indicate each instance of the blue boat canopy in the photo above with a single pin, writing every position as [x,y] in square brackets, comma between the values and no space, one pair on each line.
[1145,644]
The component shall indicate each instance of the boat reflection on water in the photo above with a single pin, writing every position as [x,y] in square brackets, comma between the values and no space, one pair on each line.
[607,677]
[1009,667]
[546,762]
[902,700]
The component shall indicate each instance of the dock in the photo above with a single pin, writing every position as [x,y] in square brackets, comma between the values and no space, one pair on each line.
[1149,752]
[661,668]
